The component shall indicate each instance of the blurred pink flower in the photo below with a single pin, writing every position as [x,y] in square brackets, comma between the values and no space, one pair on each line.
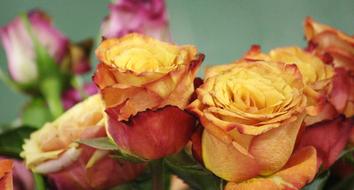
[73,96]
[142,16]
[20,48]
[22,177]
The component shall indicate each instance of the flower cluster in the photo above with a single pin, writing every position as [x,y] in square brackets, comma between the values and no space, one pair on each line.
[269,120]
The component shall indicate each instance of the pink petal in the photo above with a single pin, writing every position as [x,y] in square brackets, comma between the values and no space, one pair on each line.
[328,137]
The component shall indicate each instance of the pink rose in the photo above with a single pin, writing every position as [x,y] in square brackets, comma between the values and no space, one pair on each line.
[146,17]
[18,41]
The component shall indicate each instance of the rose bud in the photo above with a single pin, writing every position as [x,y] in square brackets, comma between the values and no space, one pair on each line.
[336,48]
[252,112]
[145,84]
[140,16]
[53,151]
[18,41]
[6,174]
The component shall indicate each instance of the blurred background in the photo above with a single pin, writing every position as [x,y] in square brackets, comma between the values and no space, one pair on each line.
[222,29]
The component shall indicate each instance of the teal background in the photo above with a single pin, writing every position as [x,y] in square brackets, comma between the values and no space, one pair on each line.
[222,29]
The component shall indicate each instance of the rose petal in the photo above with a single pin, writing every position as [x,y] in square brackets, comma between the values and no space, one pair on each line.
[197,144]
[127,102]
[6,182]
[300,170]
[227,160]
[273,149]
[147,17]
[328,137]
[326,40]
[340,91]
[153,134]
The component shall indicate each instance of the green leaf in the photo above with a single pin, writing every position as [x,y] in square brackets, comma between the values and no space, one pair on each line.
[144,182]
[104,143]
[346,183]
[348,155]
[11,141]
[319,182]
[196,176]
[346,152]
[124,155]
[35,113]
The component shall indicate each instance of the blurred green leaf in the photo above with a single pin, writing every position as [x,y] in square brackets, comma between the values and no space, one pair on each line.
[346,184]
[319,182]
[35,113]
[11,140]
[346,152]
[196,176]
[144,182]
[347,155]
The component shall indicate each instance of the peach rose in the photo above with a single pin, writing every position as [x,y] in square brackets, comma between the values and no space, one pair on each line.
[252,112]
[145,85]
[53,151]
[325,87]
[336,48]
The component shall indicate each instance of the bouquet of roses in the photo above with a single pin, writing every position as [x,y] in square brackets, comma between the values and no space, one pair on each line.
[273,120]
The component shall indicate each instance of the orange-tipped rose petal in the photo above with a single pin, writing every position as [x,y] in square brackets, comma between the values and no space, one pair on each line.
[273,149]
[153,134]
[6,175]
[328,137]
[129,101]
[299,171]
[326,40]
[137,72]
[226,160]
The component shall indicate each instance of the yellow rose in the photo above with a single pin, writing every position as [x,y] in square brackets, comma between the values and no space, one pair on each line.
[337,49]
[147,83]
[141,73]
[252,112]
[53,150]
[324,85]
[55,138]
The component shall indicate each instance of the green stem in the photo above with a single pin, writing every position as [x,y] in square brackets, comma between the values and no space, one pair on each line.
[157,174]
[39,182]
[51,90]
